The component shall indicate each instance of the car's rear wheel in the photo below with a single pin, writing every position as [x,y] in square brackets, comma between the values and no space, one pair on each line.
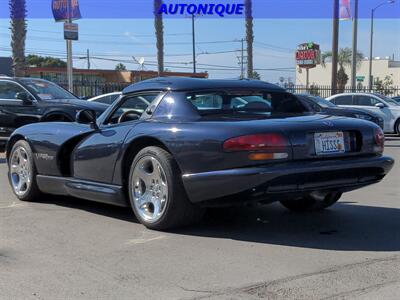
[156,191]
[312,202]
[22,172]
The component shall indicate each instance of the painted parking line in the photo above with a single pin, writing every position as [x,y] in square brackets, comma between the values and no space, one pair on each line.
[144,240]
[13,205]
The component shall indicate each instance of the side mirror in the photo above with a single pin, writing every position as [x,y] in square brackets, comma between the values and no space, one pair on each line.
[24,97]
[380,105]
[87,116]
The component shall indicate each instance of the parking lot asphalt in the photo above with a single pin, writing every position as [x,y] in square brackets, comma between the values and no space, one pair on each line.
[64,248]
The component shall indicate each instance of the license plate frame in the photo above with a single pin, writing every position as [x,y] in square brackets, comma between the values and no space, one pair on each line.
[329,143]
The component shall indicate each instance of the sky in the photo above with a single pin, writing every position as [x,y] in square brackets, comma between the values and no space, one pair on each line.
[111,40]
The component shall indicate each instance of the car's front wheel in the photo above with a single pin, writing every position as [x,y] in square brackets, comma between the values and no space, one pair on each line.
[22,172]
[156,191]
[312,202]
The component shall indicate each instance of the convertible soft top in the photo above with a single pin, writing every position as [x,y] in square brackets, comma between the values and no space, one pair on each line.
[185,83]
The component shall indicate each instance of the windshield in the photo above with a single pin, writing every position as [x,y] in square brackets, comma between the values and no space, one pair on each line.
[260,102]
[321,101]
[387,99]
[47,90]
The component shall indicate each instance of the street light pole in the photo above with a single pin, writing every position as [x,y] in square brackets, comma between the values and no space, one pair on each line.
[370,51]
[194,45]
[69,52]
[354,48]
[335,45]
[371,42]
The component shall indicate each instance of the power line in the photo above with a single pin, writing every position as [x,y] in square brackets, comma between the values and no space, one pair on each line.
[57,40]
[60,52]
[107,35]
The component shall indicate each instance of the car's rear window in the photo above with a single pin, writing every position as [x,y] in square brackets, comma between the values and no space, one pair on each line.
[257,102]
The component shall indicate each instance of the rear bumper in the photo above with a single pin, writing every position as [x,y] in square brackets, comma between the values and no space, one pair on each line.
[287,178]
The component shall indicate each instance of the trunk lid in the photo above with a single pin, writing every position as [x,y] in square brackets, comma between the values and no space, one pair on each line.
[301,130]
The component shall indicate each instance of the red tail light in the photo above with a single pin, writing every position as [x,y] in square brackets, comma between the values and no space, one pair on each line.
[379,137]
[269,142]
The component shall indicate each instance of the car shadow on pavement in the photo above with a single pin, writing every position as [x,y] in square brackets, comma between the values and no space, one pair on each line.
[347,226]
[112,211]
[344,227]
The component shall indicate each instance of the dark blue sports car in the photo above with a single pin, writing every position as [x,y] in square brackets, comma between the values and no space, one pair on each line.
[169,147]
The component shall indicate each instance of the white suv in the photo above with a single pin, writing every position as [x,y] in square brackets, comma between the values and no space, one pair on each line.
[384,106]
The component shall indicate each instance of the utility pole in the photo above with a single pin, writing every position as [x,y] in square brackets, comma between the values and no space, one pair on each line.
[69,53]
[242,61]
[194,45]
[354,48]
[335,45]
[88,59]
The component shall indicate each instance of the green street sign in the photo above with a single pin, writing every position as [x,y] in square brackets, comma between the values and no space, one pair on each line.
[360,78]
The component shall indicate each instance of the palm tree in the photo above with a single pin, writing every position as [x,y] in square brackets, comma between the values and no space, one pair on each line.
[249,37]
[344,60]
[159,27]
[18,34]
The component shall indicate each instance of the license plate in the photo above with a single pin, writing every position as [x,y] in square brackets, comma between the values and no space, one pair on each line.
[329,143]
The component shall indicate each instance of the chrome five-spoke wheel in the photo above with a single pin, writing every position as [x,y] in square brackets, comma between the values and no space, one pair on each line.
[149,189]
[20,171]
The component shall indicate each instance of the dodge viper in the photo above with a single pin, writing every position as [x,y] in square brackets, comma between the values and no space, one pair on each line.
[196,143]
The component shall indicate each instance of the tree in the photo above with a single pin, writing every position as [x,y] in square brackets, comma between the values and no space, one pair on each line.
[48,61]
[344,60]
[159,28]
[249,37]
[18,34]
[313,90]
[384,86]
[256,75]
[120,67]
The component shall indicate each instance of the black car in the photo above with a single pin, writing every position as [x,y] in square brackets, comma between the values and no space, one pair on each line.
[30,100]
[321,105]
[198,143]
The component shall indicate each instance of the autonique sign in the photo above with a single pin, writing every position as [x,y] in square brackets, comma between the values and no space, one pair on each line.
[221,9]
[308,55]
[217,9]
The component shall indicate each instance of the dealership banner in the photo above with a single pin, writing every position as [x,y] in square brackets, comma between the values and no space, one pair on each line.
[61,12]
[345,10]
[218,9]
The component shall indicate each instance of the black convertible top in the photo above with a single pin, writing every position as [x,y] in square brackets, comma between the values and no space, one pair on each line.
[186,83]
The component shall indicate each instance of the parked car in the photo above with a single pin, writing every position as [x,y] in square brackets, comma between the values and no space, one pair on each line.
[142,101]
[196,145]
[29,100]
[397,99]
[321,105]
[384,106]
[106,98]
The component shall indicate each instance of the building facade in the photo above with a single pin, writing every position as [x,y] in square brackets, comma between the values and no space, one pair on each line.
[380,69]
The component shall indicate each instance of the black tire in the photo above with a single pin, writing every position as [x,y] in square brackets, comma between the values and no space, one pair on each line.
[310,203]
[32,192]
[178,211]
[397,127]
